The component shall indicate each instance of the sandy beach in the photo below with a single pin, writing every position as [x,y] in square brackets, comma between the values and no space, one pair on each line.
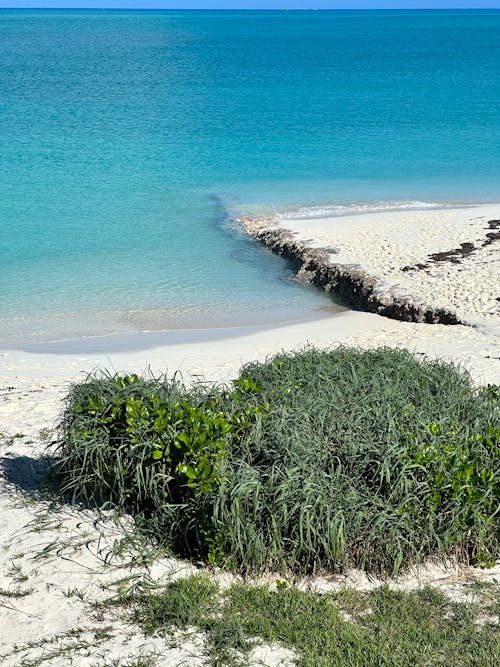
[445,258]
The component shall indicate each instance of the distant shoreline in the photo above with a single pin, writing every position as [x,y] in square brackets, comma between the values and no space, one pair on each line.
[362,280]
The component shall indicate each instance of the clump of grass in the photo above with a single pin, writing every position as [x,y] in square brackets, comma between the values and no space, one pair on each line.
[365,458]
[309,460]
[19,593]
[385,627]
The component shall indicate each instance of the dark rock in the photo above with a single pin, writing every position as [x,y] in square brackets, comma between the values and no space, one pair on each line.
[353,285]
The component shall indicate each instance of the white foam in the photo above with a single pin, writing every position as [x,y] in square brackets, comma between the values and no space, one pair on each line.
[354,208]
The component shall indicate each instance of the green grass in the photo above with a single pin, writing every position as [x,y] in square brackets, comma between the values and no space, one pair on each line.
[19,593]
[311,460]
[365,459]
[384,627]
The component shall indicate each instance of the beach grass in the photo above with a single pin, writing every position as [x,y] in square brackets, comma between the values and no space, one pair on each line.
[348,628]
[312,460]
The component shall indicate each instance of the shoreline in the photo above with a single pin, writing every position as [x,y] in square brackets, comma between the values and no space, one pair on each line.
[147,339]
[331,252]
[136,324]
[320,244]
[220,358]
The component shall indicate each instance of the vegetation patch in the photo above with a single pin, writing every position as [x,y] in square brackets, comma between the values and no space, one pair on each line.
[310,460]
[385,627]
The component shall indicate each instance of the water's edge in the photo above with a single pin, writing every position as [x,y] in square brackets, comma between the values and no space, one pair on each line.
[358,289]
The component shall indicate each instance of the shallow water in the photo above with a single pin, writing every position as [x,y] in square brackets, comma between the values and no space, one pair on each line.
[129,140]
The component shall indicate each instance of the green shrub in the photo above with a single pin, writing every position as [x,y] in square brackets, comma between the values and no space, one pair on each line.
[369,459]
[150,447]
[309,460]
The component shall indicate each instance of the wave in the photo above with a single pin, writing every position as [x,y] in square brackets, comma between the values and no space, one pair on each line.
[354,208]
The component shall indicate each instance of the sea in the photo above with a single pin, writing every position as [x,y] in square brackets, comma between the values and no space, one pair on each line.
[131,141]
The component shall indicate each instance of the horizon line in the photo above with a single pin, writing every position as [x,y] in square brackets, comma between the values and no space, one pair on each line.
[254,9]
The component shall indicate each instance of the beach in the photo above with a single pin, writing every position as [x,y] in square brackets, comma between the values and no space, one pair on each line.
[185,192]
[65,558]
[436,265]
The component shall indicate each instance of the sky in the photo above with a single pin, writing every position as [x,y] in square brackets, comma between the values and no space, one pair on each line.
[256,4]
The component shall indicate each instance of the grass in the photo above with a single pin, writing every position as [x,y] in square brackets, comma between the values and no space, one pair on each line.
[368,459]
[311,460]
[19,593]
[63,648]
[384,627]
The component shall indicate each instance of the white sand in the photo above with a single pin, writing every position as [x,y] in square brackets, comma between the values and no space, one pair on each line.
[64,557]
[383,243]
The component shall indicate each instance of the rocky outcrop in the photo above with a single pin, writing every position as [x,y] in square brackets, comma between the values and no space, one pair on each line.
[351,283]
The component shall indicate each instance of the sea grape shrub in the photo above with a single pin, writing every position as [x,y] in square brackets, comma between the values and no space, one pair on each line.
[151,447]
[460,474]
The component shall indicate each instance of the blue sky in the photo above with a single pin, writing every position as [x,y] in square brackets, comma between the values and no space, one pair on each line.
[256,4]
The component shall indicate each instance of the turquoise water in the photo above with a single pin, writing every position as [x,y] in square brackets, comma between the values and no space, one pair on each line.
[128,141]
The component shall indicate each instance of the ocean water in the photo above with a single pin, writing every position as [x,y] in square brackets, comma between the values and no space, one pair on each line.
[130,140]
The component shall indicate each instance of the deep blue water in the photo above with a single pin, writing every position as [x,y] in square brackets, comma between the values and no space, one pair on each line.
[129,139]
